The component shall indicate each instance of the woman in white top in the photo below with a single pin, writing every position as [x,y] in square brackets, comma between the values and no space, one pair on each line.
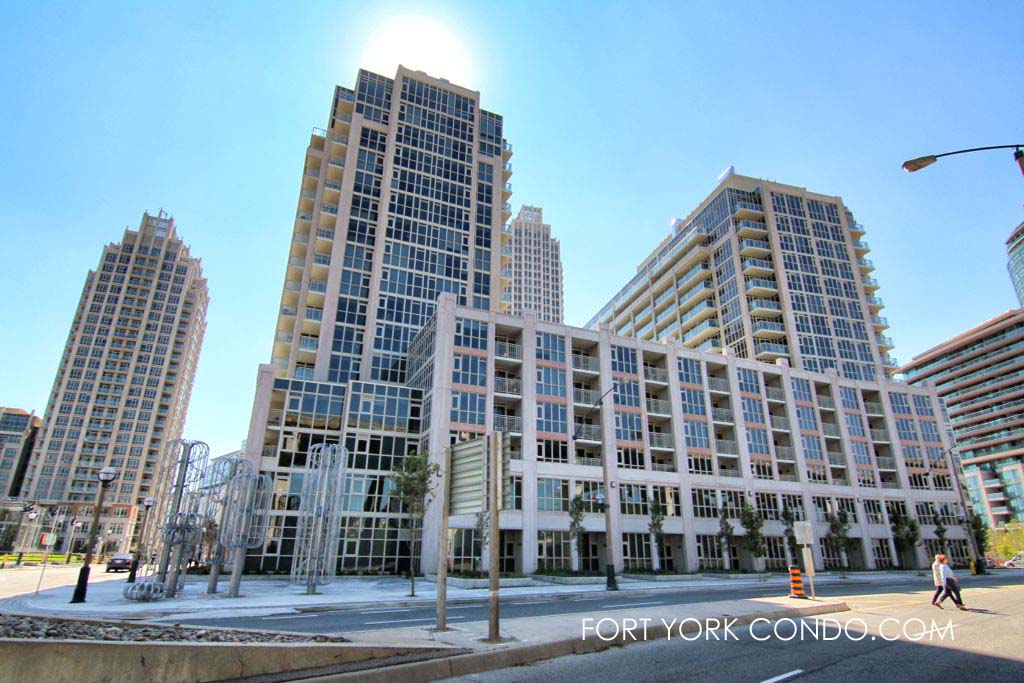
[940,584]
[952,585]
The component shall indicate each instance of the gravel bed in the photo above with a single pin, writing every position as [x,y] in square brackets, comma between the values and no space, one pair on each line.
[69,629]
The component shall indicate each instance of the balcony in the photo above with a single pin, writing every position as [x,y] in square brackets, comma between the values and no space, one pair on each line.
[785,453]
[588,461]
[890,485]
[508,350]
[870,283]
[826,402]
[880,321]
[660,441]
[749,247]
[331,209]
[663,466]
[873,408]
[866,264]
[508,386]
[585,397]
[718,385]
[760,287]
[780,424]
[585,432]
[884,341]
[886,463]
[508,423]
[324,234]
[856,228]
[831,430]
[658,375]
[303,216]
[751,229]
[657,406]
[727,447]
[722,415]
[297,262]
[338,162]
[861,246]
[836,458]
[764,307]
[317,287]
[874,303]
[770,350]
[701,311]
[702,332]
[747,210]
[776,394]
[308,343]
[585,363]
[879,435]
[288,310]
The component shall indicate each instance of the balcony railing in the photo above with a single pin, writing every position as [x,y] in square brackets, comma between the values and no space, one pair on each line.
[586,432]
[879,435]
[886,463]
[586,397]
[652,374]
[718,384]
[659,406]
[508,350]
[780,423]
[722,414]
[588,461]
[508,423]
[873,408]
[663,466]
[830,429]
[508,385]
[727,447]
[785,453]
[836,458]
[588,363]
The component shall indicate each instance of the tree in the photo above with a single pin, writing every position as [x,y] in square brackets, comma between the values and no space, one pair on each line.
[1007,540]
[657,522]
[789,520]
[725,532]
[753,522]
[906,534]
[977,526]
[482,532]
[940,534]
[415,480]
[577,508]
[837,539]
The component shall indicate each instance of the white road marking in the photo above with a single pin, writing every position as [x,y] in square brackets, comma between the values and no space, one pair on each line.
[292,616]
[464,607]
[408,621]
[384,611]
[635,604]
[783,677]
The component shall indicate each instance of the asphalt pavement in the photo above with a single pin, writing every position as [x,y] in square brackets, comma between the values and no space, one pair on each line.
[886,636]
[368,619]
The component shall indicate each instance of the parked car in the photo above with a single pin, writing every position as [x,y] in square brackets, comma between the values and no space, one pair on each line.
[119,562]
[1015,562]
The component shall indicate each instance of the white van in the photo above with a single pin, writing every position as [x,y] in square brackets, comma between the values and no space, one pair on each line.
[1015,562]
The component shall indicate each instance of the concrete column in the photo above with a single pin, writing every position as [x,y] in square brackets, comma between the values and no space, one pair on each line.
[613,534]
[529,413]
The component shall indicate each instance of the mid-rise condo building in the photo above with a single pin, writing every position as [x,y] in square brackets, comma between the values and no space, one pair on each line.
[767,270]
[633,421]
[980,376]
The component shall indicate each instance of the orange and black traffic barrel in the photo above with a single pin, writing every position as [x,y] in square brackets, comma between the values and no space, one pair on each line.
[796,583]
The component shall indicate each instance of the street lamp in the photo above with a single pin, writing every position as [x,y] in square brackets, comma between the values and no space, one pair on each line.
[147,503]
[603,499]
[105,475]
[917,164]
[73,528]
[18,533]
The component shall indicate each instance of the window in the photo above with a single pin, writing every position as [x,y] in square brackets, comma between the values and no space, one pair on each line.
[802,390]
[468,408]
[899,404]
[705,503]
[629,427]
[636,552]
[633,499]
[753,410]
[906,430]
[552,495]
[631,458]
[689,371]
[553,550]
[552,451]
[550,381]
[922,406]
[470,370]
[669,498]
[624,360]
[470,334]
[550,347]
[812,447]
[795,504]
[854,424]
[627,393]
[709,552]
[749,381]
[591,492]
[551,417]
[693,401]
[767,505]
[696,434]
[757,441]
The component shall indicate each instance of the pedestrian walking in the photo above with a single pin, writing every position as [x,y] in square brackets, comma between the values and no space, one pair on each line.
[952,584]
[937,580]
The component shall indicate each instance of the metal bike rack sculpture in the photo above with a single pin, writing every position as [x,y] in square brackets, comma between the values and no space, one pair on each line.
[215,478]
[143,591]
[185,522]
[316,541]
[243,525]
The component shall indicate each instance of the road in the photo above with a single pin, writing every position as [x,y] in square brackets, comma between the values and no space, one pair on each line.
[885,636]
[21,580]
[347,620]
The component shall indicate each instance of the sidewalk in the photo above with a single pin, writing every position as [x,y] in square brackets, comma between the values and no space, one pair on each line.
[264,597]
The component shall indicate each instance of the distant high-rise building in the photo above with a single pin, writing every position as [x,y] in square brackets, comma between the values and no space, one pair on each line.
[769,270]
[123,385]
[403,197]
[1015,264]
[18,429]
[980,377]
[536,267]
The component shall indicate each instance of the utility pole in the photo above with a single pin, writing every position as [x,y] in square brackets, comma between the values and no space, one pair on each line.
[494,606]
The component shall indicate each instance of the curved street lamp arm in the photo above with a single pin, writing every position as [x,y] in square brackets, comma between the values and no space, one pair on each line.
[977,149]
[599,401]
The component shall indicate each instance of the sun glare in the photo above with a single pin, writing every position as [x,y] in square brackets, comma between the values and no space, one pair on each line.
[420,42]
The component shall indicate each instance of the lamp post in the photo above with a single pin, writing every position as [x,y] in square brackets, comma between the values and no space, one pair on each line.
[147,503]
[105,475]
[73,528]
[603,499]
[967,521]
[917,164]
[18,537]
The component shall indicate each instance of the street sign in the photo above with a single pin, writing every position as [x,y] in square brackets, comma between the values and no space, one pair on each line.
[468,477]
[804,533]
[808,561]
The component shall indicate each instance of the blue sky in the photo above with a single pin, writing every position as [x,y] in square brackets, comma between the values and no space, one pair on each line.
[621,116]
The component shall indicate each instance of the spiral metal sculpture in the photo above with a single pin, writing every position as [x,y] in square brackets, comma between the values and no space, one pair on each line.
[316,541]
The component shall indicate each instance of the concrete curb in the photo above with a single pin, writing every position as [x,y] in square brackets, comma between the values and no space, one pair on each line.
[477,662]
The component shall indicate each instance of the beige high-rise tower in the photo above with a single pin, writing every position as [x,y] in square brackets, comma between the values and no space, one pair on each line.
[536,267]
[123,385]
